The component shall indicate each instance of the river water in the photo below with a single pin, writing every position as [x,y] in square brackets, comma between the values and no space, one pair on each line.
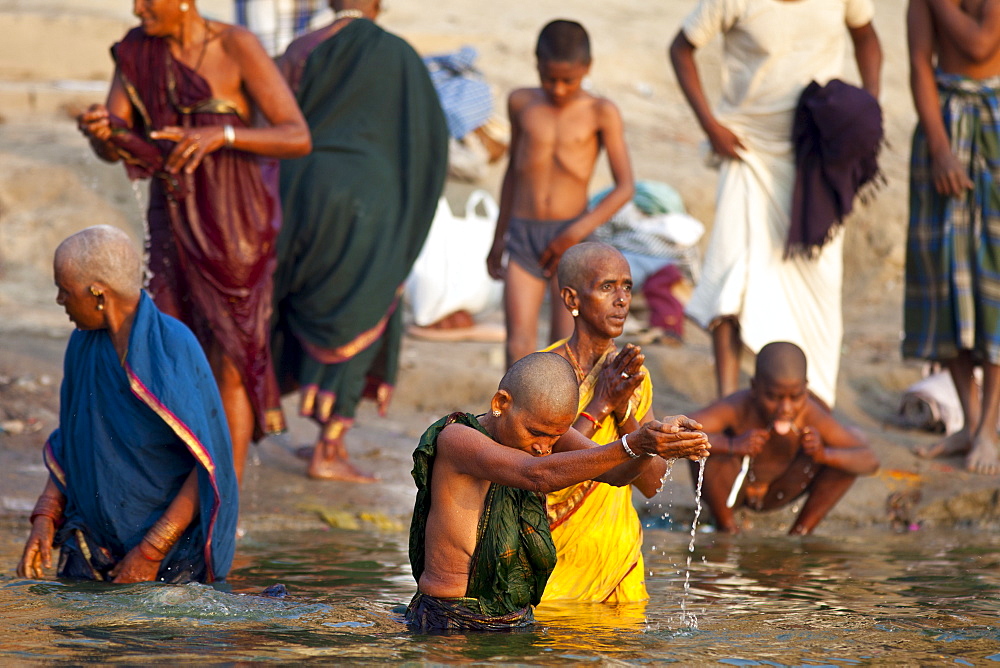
[866,598]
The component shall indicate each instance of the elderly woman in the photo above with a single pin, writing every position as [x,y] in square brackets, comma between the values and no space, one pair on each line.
[595,528]
[179,111]
[141,482]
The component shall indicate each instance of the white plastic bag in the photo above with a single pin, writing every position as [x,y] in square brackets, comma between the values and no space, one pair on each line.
[450,272]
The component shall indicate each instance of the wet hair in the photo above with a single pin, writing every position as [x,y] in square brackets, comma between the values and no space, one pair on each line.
[780,360]
[102,253]
[576,263]
[543,384]
[563,41]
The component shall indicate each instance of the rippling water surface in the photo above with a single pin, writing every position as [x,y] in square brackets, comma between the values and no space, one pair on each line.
[868,598]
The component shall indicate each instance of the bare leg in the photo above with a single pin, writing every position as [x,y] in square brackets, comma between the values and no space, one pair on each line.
[827,488]
[562,321]
[727,346]
[523,295]
[983,456]
[961,369]
[329,457]
[236,402]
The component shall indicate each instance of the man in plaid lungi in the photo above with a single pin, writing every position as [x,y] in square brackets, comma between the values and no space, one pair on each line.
[952,304]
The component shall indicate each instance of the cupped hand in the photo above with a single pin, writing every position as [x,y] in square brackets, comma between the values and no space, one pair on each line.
[670,441]
[191,145]
[37,554]
[134,568]
[95,122]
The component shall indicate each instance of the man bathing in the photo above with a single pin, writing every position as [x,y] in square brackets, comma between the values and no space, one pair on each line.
[480,546]
[775,442]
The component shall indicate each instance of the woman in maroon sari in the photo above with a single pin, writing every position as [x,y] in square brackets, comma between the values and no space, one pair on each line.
[178,111]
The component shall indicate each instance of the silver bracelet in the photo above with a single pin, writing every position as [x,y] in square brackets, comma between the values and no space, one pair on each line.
[229,135]
[628,449]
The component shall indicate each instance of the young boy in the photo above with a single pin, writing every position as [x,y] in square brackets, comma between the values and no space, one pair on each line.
[557,132]
[774,443]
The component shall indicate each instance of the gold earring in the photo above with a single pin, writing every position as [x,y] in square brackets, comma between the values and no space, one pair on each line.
[185,6]
[100,306]
[575,312]
[496,413]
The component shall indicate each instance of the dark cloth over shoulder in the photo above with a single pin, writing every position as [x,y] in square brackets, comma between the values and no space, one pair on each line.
[514,554]
[356,213]
[128,438]
[837,134]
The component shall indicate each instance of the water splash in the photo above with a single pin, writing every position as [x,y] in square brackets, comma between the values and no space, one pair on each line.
[689,619]
[140,202]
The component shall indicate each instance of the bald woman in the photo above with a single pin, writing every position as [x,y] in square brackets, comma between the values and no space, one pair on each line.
[480,545]
[141,481]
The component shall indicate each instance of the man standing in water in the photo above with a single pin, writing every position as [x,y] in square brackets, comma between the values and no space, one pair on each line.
[951,311]
[774,442]
[480,546]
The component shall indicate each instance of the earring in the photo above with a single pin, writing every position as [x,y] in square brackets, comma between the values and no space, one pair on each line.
[185,6]
[575,312]
[496,413]
[100,306]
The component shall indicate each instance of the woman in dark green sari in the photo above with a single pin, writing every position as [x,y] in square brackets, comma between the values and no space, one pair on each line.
[356,213]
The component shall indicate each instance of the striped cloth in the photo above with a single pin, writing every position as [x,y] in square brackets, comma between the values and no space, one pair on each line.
[465,96]
[277,22]
[952,300]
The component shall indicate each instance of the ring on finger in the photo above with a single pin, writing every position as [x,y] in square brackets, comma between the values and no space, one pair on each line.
[190,149]
[624,375]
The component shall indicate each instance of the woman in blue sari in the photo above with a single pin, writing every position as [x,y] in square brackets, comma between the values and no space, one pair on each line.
[141,480]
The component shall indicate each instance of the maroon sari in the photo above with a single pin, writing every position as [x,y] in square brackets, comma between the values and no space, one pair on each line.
[211,234]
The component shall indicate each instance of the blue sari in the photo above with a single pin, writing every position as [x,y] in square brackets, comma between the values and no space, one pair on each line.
[129,435]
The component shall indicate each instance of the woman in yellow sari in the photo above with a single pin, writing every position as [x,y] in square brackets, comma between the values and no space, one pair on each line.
[595,528]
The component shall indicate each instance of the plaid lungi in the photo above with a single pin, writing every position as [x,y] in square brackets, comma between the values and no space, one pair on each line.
[952,298]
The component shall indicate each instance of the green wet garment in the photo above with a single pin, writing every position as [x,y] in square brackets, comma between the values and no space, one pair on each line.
[514,552]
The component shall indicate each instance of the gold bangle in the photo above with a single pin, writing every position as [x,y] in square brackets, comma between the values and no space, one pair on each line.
[229,135]
[160,555]
[48,506]
[163,535]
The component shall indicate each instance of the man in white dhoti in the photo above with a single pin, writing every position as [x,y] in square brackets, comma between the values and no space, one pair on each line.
[749,292]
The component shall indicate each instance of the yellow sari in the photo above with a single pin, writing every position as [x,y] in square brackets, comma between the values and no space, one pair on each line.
[595,528]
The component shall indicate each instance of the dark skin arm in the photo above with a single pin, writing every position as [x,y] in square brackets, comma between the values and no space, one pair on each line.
[494,261]
[949,176]
[724,142]
[475,455]
[37,555]
[868,56]
[286,136]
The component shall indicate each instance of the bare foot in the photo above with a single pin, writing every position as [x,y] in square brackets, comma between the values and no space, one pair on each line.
[957,444]
[983,457]
[338,469]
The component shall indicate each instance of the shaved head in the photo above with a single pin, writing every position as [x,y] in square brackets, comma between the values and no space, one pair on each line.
[780,361]
[102,253]
[366,6]
[577,264]
[542,384]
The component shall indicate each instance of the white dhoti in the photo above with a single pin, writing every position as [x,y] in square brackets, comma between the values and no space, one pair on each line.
[746,275]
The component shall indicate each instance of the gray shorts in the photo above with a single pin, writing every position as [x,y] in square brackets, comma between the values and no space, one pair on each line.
[527,240]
